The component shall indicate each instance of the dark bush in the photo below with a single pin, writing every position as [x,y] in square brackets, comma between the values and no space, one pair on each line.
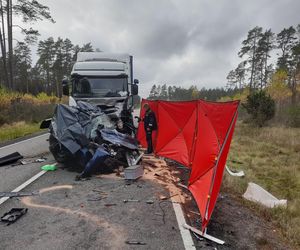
[25,111]
[260,106]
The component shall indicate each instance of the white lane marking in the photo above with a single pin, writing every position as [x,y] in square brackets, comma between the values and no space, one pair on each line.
[25,184]
[185,233]
[13,144]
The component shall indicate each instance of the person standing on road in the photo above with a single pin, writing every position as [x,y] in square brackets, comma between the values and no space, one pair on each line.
[149,125]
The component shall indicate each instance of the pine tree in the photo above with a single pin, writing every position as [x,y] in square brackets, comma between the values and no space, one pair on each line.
[164,92]
[289,59]
[22,65]
[249,48]
[236,77]
[153,93]
[30,11]
[265,46]
[46,53]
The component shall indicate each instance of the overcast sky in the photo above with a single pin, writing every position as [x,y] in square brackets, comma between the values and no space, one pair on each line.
[177,42]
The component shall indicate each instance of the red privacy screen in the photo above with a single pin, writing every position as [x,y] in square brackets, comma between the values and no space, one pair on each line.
[196,134]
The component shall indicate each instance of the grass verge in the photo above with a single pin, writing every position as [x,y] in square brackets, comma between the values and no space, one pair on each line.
[16,130]
[270,157]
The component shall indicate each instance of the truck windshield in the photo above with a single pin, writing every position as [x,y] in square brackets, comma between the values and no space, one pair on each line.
[100,87]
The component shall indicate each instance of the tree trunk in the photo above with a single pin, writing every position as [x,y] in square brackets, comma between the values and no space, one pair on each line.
[253,65]
[294,90]
[3,46]
[10,42]
[4,59]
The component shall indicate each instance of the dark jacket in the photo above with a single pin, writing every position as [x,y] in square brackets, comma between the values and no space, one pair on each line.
[150,120]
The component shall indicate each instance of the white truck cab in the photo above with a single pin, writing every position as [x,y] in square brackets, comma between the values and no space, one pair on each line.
[103,79]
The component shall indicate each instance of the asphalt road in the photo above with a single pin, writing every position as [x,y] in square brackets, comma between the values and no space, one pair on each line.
[73,217]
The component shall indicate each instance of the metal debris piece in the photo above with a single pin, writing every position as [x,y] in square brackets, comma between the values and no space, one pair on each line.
[17,194]
[13,215]
[125,201]
[135,242]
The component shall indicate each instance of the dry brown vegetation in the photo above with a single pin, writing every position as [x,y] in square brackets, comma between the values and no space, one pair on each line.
[270,157]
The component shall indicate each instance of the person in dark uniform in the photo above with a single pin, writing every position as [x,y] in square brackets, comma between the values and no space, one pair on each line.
[149,125]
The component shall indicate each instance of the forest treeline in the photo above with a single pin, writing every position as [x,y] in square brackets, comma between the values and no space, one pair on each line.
[54,58]
[176,93]
[259,50]
[267,80]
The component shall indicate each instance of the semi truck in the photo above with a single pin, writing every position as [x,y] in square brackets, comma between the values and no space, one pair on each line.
[105,80]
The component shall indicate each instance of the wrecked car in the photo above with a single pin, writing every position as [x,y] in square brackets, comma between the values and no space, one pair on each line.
[85,137]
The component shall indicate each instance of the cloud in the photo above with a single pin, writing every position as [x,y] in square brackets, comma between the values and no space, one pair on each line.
[172,41]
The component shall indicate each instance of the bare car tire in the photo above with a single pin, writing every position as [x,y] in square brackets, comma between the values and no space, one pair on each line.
[60,153]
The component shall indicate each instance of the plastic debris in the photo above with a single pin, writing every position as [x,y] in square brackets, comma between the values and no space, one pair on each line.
[13,215]
[238,174]
[10,158]
[49,167]
[256,193]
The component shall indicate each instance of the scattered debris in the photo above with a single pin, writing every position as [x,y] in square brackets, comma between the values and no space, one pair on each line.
[49,167]
[238,174]
[197,236]
[149,201]
[110,204]
[42,159]
[23,162]
[256,193]
[95,199]
[80,178]
[10,158]
[125,201]
[203,234]
[162,197]
[99,191]
[183,186]
[133,172]
[13,215]
[17,194]
[195,213]
[135,242]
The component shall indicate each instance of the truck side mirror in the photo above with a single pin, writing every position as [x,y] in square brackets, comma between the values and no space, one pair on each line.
[65,86]
[134,89]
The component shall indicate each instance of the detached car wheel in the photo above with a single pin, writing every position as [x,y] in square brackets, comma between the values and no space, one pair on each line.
[60,153]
